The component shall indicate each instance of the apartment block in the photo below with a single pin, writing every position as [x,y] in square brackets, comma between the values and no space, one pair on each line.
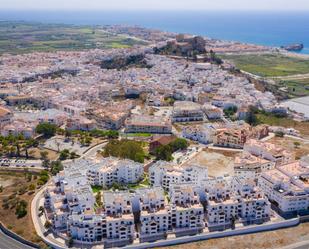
[186,111]
[148,124]
[268,151]
[187,212]
[154,214]
[164,174]
[107,171]
[249,166]
[287,187]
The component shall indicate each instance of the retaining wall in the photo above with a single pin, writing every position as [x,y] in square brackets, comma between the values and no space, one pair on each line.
[17,237]
[212,235]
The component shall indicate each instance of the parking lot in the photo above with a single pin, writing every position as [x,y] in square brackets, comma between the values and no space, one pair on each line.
[23,163]
[59,144]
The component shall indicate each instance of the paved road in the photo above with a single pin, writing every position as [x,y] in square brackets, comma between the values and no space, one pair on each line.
[7,242]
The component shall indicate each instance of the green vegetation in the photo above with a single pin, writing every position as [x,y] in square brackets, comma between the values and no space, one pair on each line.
[125,149]
[12,146]
[21,209]
[43,177]
[295,88]
[165,152]
[142,184]
[230,111]
[269,65]
[98,199]
[93,133]
[296,144]
[25,37]
[133,186]
[56,167]
[270,119]
[14,202]
[46,129]
[138,135]
[96,189]
[66,154]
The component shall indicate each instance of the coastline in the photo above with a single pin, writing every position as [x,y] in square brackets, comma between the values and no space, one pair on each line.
[234,26]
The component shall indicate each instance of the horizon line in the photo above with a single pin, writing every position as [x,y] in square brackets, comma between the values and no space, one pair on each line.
[152,10]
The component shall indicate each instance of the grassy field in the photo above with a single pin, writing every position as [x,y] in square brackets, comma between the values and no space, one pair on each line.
[303,127]
[295,88]
[269,65]
[22,37]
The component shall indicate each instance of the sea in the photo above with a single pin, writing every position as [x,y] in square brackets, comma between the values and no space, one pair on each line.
[268,28]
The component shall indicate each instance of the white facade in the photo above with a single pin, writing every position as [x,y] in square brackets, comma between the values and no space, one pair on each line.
[164,174]
[148,124]
[154,213]
[203,133]
[287,186]
[111,170]
[268,151]
[185,111]
[248,166]
[230,200]
[187,212]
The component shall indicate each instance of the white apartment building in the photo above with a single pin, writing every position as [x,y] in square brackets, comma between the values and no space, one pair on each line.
[201,133]
[268,151]
[87,227]
[212,112]
[230,200]
[165,173]
[287,186]
[68,193]
[248,166]
[119,217]
[111,170]
[148,124]
[186,111]
[187,212]
[154,213]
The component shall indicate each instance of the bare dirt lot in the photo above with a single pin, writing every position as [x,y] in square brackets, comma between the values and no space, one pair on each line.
[266,240]
[217,163]
[300,148]
[16,187]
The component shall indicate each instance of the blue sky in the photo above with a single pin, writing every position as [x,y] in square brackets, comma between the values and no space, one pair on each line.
[156,4]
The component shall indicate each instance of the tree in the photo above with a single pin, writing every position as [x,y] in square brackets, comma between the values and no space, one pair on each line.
[43,177]
[44,155]
[164,152]
[230,111]
[98,199]
[296,144]
[56,167]
[64,155]
[251,119]
[47,224]
[21,209]
[32,187]
[179,144]
[125,149]
[46,129]
[73,155]
[41,209]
